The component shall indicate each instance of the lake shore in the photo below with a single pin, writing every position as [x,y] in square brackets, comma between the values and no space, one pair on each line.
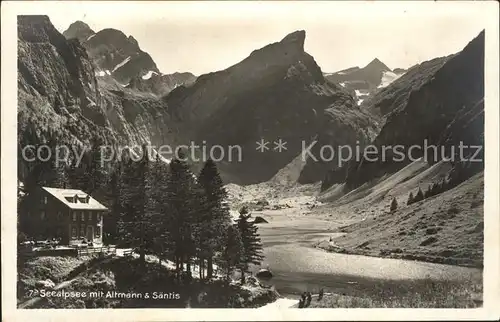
[291,251]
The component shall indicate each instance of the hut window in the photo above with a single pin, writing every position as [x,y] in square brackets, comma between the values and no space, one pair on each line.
[73,232]
[74,216]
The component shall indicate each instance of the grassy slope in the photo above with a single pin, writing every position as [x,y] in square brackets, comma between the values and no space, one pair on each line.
[415,294]
[446,228]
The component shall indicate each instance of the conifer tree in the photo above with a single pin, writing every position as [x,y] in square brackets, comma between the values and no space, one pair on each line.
[232,250]
[394,204]
[135,225]
[252,247]
[419,196]
[217,218]
[203,229]
[181,227]
[160,209]
[410,199]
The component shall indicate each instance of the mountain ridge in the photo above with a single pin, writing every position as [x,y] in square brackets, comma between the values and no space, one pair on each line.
[423,106]
[278,84]
[364,82]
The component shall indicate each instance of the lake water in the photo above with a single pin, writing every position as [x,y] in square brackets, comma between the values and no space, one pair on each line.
[298,267]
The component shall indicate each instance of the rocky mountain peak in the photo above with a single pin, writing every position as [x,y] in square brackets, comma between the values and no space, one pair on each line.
[432,101]
[285,52]
[79,30]
[362,82]
[278,91]
[113,52]
[133,40]
[376,64]
[114,37]
[296,38]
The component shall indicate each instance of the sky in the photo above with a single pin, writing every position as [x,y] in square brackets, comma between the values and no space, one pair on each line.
[202,37]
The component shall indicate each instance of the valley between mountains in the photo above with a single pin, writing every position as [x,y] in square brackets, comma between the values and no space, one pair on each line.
[356,228]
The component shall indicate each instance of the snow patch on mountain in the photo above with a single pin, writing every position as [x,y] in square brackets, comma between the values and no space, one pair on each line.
[102,73]
[126,60]
[387,78]
[91,102]
[149,74]
[361,95]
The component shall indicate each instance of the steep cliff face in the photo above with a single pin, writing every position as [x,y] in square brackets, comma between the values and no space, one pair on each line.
[56,81]
[278,92]
[113,52]
[438,101]
[60,98]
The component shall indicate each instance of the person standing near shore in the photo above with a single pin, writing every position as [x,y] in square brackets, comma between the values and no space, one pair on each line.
[303,300]
[309,298]
[320,295]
